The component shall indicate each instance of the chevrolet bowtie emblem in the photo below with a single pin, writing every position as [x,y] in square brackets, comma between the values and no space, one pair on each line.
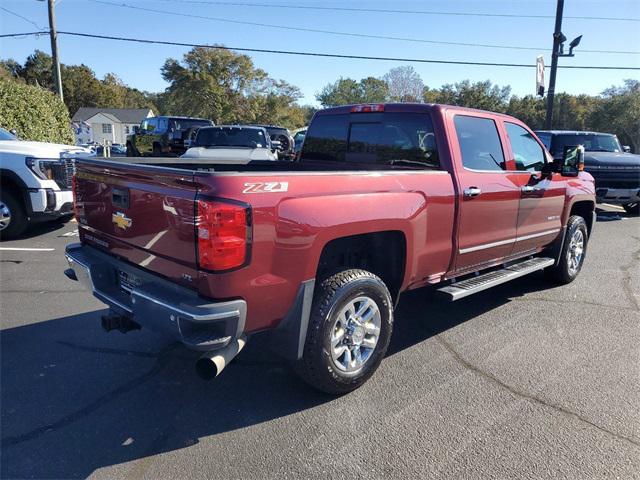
[121,220]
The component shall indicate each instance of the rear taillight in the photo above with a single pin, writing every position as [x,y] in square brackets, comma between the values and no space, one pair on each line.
[223,234]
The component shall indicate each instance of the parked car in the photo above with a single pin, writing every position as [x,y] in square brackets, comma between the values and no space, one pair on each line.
[35,182]
[233,143]
[282,140]
[615,169]
[163,136]
[315,253]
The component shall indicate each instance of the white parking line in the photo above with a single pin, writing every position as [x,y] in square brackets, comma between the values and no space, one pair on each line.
[614,206]
[16,249]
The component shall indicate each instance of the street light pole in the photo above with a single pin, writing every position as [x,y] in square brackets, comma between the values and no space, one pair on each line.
[557,41]
[57,79]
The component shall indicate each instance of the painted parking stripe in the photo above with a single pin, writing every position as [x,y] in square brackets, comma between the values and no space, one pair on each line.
[614,206]
[16,249]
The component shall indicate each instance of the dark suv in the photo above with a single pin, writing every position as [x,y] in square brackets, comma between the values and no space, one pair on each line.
[281,139]
[163,136]
[615,170]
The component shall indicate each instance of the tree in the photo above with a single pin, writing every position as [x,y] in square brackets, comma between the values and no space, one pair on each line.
[482,95]
[619,112]
[346,91]
[81,87]
[36,113]
[37,70]
[404,83]
[212,83]
[275,103]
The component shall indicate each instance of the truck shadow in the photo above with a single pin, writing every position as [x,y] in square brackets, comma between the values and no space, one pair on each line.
[75,399]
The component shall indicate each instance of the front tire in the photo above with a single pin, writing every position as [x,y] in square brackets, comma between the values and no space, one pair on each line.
[573,252]
[13,220]
[349,331]
[131,151]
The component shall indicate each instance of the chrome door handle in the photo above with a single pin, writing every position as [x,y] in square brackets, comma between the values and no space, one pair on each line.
[472,192]
[529,189]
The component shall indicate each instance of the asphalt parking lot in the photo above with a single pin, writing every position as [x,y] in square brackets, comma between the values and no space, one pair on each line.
[522,381]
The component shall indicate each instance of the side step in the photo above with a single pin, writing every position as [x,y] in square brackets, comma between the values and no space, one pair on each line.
[467,287]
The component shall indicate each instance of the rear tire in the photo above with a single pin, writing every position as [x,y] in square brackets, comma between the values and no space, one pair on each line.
[574,250]
[349,332]
[632,208]
[13,220]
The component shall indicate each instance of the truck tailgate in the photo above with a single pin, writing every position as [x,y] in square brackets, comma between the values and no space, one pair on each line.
[142,214]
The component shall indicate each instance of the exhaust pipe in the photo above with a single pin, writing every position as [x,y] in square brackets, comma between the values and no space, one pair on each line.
[212,363]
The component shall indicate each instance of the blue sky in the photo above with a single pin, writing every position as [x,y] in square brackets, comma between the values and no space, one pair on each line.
[139,65]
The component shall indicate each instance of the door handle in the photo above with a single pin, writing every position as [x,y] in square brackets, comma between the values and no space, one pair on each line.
[529,189]
[472,192]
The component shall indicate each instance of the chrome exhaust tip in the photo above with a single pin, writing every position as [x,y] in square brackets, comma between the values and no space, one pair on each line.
[211,364]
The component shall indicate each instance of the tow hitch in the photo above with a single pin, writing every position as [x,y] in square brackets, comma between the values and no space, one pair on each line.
[113,321]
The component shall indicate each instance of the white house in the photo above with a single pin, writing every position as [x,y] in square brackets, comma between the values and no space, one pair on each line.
[110,125]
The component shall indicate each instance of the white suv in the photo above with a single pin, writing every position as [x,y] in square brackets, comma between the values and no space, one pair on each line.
[35,182]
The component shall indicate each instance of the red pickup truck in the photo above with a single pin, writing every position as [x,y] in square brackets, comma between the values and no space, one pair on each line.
[383,199]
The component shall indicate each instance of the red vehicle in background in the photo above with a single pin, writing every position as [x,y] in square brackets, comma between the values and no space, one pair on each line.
[383,199]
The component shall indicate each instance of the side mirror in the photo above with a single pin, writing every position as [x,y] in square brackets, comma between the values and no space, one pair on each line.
[626,149]
[14,132]
[135,129]
[572,161]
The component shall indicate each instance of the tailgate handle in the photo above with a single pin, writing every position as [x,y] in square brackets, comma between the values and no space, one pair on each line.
[120,197]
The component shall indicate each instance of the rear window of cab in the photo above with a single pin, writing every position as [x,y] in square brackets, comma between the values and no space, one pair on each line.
[373,140]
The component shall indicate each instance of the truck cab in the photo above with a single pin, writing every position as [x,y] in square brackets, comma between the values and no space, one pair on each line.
[315,253]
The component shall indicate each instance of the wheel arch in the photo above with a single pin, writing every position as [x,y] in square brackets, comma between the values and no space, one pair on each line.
[12,182]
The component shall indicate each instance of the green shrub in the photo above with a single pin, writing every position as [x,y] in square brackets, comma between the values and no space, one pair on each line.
[35,113]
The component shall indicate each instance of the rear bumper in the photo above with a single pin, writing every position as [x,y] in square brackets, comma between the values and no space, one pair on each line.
[618,195]
[154,302]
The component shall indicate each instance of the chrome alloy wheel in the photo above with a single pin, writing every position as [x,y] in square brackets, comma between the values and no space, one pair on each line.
[575,252]
[5,215]
[355,334]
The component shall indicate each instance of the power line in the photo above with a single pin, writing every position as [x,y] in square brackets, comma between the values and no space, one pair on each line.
[21,17]
[317,54]
[345,34]
[409,12]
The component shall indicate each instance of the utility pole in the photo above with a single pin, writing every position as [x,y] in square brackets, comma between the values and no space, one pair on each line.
[557,41]
[57,79]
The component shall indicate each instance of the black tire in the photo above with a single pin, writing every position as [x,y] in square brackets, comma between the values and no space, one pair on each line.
[632,208]
[131,152]
[317,367]
[18,219]
[564,273]
[157,151]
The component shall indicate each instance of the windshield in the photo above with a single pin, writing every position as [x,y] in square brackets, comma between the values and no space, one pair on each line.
[4,135]
[231,137]
[591,142]
[185,123]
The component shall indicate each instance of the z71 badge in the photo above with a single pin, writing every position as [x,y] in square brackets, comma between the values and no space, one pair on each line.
[266,187]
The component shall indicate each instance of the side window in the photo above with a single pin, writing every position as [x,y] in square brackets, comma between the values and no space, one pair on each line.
[479,143]
[402,139]
[545,138]
[152,124]
[162,125]
[527,153]
[326,139]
